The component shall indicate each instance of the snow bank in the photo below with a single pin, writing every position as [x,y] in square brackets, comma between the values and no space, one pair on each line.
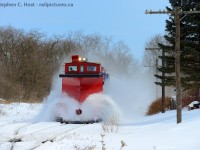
[19,112]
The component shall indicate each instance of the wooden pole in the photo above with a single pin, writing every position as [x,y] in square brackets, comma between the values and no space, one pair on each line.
[163,86]
[177,66]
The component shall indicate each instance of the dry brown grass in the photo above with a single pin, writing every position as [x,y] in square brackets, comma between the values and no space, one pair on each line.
[110,126]
[86,148]
[103,142]
[123,144]
[156,106]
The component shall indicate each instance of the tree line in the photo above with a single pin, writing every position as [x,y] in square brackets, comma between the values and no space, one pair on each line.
[29,60]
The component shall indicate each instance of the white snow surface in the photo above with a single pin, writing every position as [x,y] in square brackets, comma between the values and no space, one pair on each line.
[157,132]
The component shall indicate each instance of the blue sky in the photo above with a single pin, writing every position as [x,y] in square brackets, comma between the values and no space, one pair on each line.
[123,20]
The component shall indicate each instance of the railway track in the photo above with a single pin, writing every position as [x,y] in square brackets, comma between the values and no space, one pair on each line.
[38,133]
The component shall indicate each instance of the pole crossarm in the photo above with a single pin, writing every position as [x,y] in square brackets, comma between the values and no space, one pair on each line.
[172,12]
[156,48]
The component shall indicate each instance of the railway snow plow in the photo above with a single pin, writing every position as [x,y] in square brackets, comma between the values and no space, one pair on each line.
[80,80]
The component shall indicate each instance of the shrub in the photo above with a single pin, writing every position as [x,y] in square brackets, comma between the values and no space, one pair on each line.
[156,106]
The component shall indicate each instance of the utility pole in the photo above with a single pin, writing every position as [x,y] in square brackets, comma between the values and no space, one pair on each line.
[177,18]
[177,66]
[163,76]
[163,79]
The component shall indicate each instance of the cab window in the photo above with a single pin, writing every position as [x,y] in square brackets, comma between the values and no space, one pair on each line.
[91,68]
[81,68]
[72,68]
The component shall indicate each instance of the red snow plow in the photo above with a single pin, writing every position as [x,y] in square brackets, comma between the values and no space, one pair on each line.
[81,79]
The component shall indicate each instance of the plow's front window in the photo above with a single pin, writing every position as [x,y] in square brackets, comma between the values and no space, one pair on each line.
[91,68]
[72,68]
[82,68]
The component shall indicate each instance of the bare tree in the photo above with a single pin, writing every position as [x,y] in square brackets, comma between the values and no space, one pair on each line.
[27,61]
[152,52]
[9,41]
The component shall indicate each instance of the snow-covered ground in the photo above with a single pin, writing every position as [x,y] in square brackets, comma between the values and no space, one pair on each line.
[158,132]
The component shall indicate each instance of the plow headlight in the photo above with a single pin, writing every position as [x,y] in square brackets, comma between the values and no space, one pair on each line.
[82,59]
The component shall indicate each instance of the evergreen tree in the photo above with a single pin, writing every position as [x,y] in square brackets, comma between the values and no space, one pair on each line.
[189,47]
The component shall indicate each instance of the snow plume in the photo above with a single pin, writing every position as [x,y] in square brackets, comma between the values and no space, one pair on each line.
[58,104]
[95,107]
[133,94]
